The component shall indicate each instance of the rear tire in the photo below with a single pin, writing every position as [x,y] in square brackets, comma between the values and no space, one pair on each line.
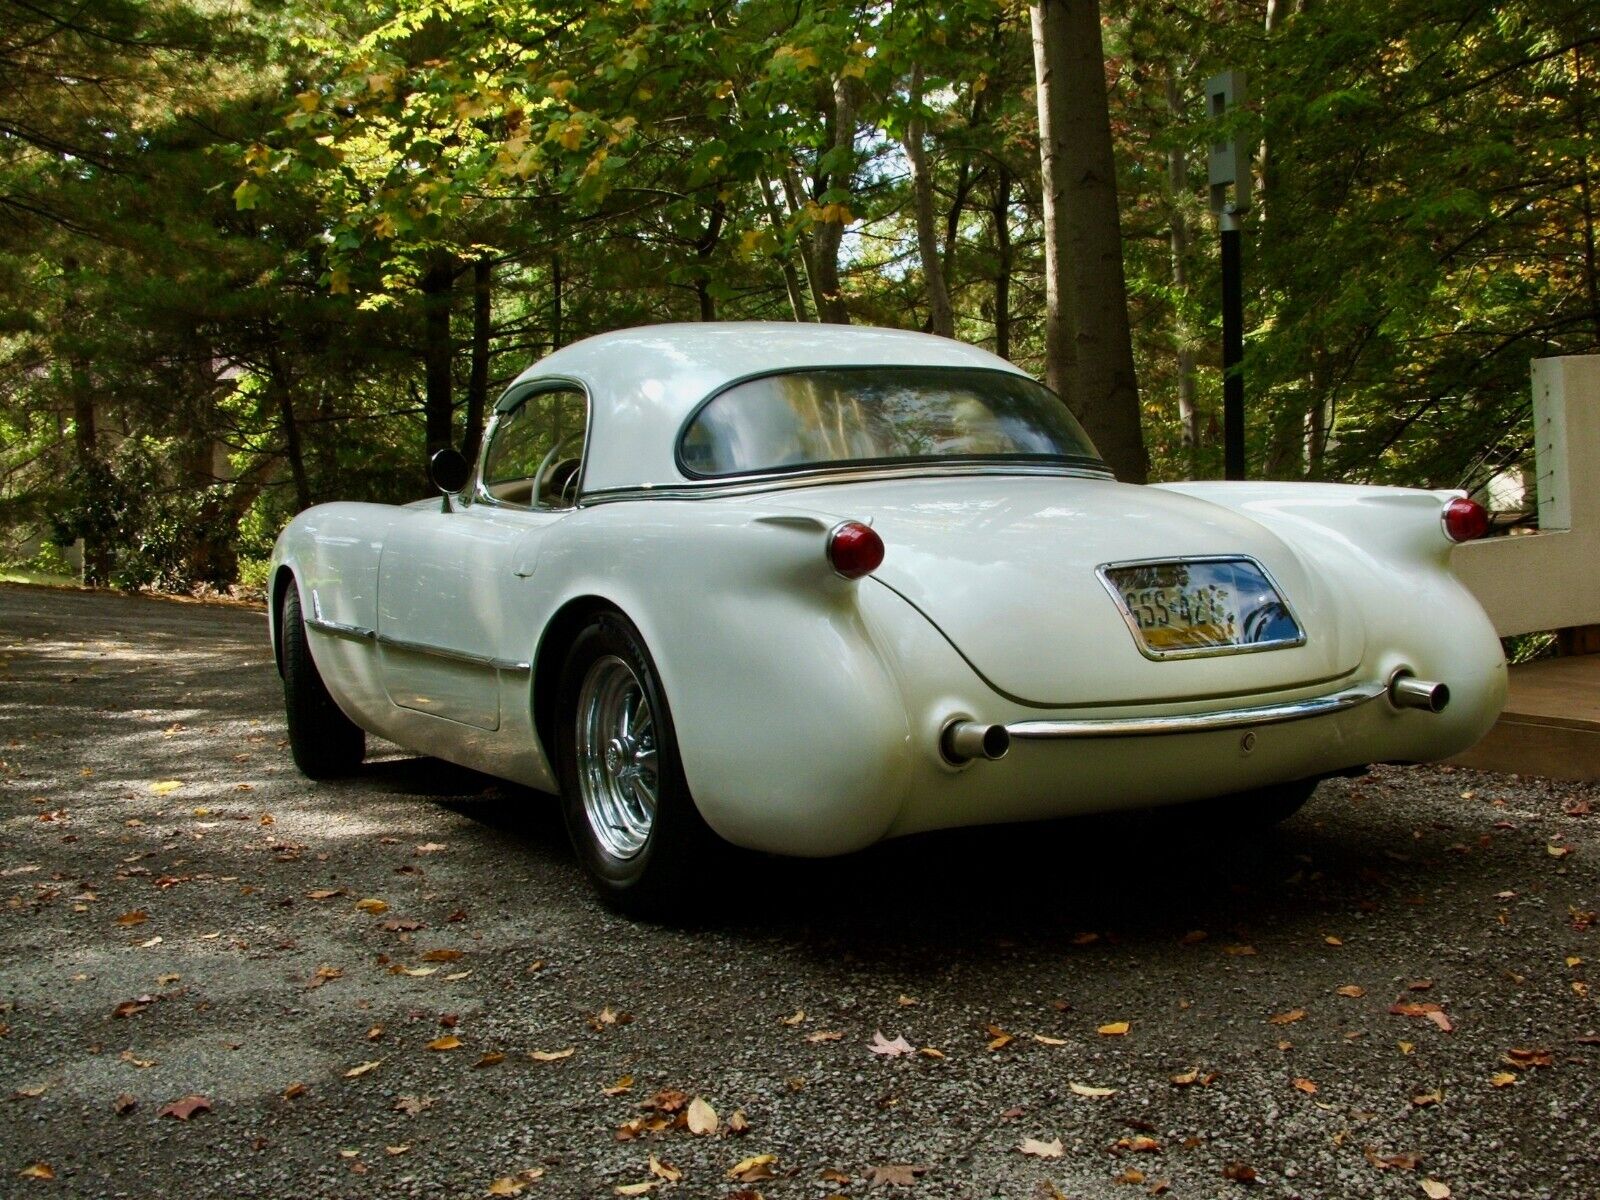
[627,806]
[325,743]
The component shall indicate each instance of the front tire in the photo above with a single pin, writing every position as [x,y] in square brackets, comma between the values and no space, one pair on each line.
[325,743]
[628,810]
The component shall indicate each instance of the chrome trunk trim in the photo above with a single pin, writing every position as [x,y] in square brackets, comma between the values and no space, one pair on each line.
[1230,718]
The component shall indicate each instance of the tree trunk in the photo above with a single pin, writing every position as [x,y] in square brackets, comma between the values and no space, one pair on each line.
[1591,276]
[1081,179]
[438,406]
[555,302]
[1048,31]
[703,251]
[791,277]
[1000,216]
[478,381]
[1178,185]
[830,233]
[283,389]
[85,442]
[941,320]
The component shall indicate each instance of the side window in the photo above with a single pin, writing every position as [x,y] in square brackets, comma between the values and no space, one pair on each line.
[536,449]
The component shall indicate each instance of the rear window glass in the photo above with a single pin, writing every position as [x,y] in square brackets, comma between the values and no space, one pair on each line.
[875,416]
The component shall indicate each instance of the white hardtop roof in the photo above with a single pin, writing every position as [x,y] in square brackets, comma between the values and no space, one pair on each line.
[644,382]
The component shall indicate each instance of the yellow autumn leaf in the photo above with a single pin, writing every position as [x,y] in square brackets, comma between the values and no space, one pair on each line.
[364,1068]
[757,1166]
[1502,1079]
[165,786]
[801,58]
[552,1055]
[448,1042]
[663,1170]
[1115,1029]
[372,905]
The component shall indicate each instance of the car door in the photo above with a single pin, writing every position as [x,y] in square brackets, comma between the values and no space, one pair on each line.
[453,579]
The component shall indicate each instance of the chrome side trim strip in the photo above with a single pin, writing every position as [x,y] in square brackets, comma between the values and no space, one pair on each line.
[748,485]
[1230,718]
[356,633]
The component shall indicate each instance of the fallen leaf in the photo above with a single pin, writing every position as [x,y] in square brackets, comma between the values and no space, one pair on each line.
[402,924]
[1049,1041]
[374,906]
[1306,1086]
[1138,1145]
[1084,1089]
[294,1090]
[552,1055]
[429,848]
[756,1167]
[1502,1079]
[633,1189]
[326,893]
[701,1118]
[824,1035]
[1131,1175]
[515,1185]
[738,1123]
[164,787]
[1442,1021]
[137,917]
[1553,852]
[1239,951]
[882,1045]
[1115,1029]
[29,1093]
[124,1104]
[1353,991]
[1402,1162]
[1239,1172]
[1333,941]
[893,1175]
[797,1018]
[1426,1099]
[396,1151]
[185,1108]
[442,955]
[1435,1190]
[365,1067]
[448,1042]
[493,1059]
[38,1170]
[1187,1078]
[667,1100]
[128,1007]
[905,1001]
[411,1105]
[1288,1018]
[620,1086]
[1038,1149]
[663,1170]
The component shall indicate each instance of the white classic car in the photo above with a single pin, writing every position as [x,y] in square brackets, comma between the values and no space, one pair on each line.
[800,588]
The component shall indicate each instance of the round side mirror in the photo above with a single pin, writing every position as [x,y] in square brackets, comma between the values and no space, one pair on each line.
[449,470]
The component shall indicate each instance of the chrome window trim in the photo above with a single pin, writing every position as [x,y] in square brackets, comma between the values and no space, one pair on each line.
[514,396]
[1203,651]
[744,485]
[1230,718]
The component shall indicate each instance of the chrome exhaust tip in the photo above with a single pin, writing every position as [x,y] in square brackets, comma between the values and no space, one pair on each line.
[963,741]
[1407,691]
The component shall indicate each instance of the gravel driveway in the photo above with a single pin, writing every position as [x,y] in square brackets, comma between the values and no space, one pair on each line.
[399,985]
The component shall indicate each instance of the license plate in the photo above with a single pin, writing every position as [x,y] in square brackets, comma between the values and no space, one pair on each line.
[1183,608]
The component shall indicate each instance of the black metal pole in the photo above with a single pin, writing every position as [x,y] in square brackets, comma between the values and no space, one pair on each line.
[1232,349]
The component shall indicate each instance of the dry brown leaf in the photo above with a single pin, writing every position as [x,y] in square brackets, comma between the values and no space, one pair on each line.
[373,906]
[738,1123]
[1131,1175]
[1352,990]
[1239,1172]
[1140,1144]
[1306,1086]
[1425,1099]
[634,1189]
[552,1055]
[325,893]
[890,1049]
[1038,1149]
[1435,1190]
[754,1168]
[620,1086]
[1048,1041]
[396,1151]
[448,1042]
[1084,1089]
[1115,1029]
[1187,1078]
[188,1106]
[1288,1018]
[402,925]
[442,955]
[38,1170]
[701,1118]
[411,1105]
[663,1170]
[797,1018]
[137,917]
[364,1068]
[294,1090]
[429,848]
[824,1035]
[1502,1079]
[124,1104]
[1239,951]
[493,1059]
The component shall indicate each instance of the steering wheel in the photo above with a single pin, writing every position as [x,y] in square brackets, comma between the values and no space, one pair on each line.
[553,460]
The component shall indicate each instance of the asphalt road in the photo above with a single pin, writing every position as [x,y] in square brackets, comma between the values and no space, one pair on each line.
[181,916]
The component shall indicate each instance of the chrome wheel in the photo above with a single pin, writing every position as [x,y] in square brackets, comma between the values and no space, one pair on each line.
[616,757]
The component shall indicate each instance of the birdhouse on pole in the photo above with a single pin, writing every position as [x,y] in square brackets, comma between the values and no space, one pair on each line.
[1230,157]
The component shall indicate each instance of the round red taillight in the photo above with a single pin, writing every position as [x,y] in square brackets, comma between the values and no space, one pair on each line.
[1465,519]
[854,549]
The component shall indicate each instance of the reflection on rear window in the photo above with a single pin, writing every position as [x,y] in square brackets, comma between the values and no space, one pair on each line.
[873,416]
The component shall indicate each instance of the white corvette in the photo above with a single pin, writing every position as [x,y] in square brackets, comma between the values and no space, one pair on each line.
[800,588]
